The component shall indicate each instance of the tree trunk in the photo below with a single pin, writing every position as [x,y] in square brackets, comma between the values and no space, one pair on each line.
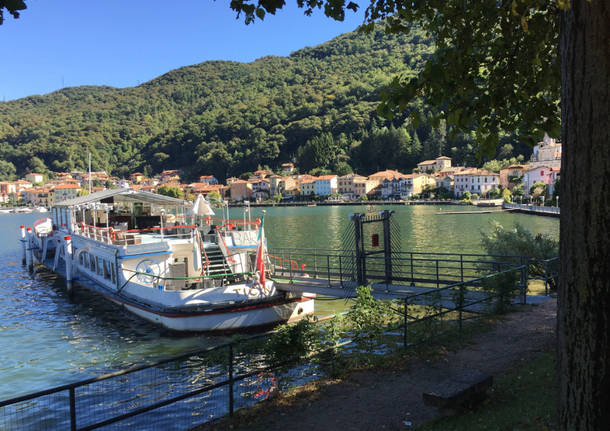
[584,294]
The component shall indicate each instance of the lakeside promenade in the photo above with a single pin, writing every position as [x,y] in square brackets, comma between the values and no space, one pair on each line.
[533,209]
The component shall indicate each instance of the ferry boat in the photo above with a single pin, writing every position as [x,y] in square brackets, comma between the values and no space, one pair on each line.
[163,260]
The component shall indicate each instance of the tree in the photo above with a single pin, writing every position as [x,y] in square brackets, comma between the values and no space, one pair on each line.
[538,189]
[171,191]
[503,65]
[12,6]
[7,171]
[214,196]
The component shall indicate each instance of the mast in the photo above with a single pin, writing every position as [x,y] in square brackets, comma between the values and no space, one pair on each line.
[89,172]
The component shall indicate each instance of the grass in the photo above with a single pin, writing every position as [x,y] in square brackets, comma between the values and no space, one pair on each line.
[524,399]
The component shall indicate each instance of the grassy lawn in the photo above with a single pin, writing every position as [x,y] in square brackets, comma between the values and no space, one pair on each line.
[524,399]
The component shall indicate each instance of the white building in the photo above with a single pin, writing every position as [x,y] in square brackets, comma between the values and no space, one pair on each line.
[475,181]
[325,185]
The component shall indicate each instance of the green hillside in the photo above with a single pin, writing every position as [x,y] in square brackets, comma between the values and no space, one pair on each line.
[315,107]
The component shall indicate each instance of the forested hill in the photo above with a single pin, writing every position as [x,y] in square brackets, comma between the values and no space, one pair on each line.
[315,107]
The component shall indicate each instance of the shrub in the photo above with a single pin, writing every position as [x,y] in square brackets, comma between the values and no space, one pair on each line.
[521,242]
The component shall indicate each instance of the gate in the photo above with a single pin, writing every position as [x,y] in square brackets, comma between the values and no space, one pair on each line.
[374,240]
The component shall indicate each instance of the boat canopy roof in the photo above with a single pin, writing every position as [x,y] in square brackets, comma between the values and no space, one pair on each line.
[123,195]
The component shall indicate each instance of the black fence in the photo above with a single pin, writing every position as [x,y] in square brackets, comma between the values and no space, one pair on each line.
[174,394]
[191,389]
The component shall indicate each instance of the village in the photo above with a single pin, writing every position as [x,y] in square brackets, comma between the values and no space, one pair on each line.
[531,182]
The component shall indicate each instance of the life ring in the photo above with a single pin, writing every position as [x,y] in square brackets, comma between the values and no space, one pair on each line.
[267,384]
[112,234]
[207,220]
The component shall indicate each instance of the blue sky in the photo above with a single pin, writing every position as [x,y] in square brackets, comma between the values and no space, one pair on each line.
[65,43]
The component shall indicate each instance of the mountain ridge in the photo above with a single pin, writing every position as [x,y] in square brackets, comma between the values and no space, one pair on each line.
[226,117]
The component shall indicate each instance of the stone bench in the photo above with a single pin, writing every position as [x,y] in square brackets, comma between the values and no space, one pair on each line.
[464,390]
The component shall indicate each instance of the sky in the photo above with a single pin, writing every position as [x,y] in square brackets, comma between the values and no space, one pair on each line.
[123,43]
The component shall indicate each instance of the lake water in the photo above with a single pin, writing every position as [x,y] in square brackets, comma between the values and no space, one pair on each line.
[46,340]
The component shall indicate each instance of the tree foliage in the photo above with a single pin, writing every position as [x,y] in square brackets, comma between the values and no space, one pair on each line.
[316,107]
[496,65]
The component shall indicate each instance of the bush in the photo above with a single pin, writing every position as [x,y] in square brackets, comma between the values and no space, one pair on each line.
[504,287]
[291,342]
[367,318]
[521,242]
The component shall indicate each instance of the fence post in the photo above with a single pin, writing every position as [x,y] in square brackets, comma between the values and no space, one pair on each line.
[231,407]
[72,410]
[412,281]
[387,246]
[405,336]
[356,218]
[462,268]
[340,272]
[524,270]
[438,283]
[460,305]
[328,268]
[315,263]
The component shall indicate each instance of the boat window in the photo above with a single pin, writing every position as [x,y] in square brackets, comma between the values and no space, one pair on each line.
[81,259]
[98,266]
[106,265]
[113,273]
[92,261]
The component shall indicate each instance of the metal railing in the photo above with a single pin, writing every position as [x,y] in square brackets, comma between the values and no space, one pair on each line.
[177,393]
[421,268]
[109,235]
[533,208]
[194,388]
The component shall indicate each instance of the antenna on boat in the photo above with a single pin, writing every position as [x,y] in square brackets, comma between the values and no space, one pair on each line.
[90,172]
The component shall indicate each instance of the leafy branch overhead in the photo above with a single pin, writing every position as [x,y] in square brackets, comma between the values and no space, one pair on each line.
[496,65]
[12,6]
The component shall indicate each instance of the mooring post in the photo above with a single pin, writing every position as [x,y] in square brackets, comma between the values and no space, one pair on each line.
[29,252]
[45,242]
[23,258]
[68,259]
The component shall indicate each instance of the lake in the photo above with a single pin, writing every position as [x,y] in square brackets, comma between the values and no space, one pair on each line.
[47,340]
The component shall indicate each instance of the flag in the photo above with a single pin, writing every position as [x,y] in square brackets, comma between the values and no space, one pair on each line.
[260,253]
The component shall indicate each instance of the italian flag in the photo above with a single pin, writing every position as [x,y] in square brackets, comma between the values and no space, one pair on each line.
[260,253]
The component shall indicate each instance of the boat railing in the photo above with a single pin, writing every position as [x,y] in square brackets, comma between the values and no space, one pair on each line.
[228,224]
[162,282]
[110,235]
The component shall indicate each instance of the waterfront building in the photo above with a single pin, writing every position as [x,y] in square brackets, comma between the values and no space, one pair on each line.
[445,181]
[540,174]
[365,187]
[64,192]
[37,197]
[170,176]
[285,186]
[34,178]
[438,164]
[287,168]
[260,188]
[346,185]
[512,175]
[308,187]
[325,185]
[546,153]
[136,177]
[208,179]
[475,181]
[240,190]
